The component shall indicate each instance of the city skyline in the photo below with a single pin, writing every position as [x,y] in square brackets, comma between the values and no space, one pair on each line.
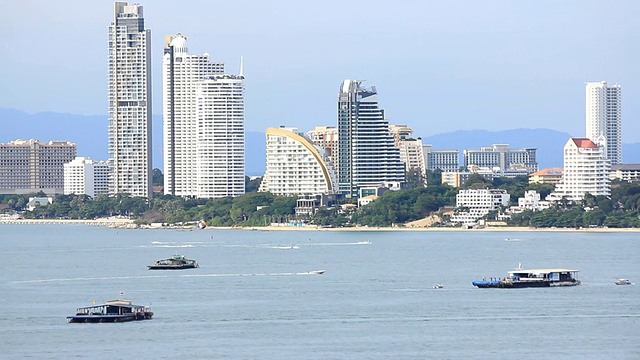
[443,67]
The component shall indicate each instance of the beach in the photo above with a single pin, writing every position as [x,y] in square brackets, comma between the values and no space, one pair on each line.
[128,223]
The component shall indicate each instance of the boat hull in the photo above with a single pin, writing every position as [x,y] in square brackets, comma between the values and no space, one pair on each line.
[110,318]
[522,284]
[171,267]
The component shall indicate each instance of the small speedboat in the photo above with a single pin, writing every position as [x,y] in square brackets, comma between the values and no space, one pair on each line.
[316,272]
[623,282]
[438,286]
[175,262]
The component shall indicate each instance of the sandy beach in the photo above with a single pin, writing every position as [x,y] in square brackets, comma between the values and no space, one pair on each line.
[128,223]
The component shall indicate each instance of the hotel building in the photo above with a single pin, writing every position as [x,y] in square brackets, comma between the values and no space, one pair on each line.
[586,170]
[472,204]
[499,155]
[182,74]
[28,166]
[86,176]
[295,165]
[129,97]
[604,118]
[367,155]
[219,143]
[443,160]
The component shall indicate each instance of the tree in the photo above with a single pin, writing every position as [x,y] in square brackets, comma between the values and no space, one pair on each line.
[251,185]
[157,177]
[415,178]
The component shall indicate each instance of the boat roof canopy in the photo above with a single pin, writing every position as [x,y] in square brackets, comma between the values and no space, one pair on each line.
[541,271]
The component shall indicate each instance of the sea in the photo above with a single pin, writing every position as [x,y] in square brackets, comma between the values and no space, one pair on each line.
[253,296]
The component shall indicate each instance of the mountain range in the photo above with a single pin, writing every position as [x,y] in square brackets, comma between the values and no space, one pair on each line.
[89,132]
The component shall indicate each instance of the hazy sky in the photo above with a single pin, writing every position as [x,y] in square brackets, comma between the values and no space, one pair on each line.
[438,66]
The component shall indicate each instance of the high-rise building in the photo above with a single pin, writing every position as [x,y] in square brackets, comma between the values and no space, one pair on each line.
[129,102]
[28,166]
[586,170]
[295,166]
[219,142]
[367,155]
[182,74]
[604,118]
[86,176]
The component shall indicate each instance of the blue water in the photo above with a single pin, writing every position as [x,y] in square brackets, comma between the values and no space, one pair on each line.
[251,298]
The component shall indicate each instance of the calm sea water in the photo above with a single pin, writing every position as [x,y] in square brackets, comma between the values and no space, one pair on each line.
[251,298]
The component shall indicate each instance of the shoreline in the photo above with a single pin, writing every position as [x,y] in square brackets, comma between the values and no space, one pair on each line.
[127,223]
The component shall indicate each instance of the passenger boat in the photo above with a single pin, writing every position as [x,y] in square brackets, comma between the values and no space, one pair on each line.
[111,311]
[623,282]
[175,262]
[521,278]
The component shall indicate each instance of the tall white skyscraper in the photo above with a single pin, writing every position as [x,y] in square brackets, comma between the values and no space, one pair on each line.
[604,118]
[367,155]
[182,74]
[220,136]
[129,102]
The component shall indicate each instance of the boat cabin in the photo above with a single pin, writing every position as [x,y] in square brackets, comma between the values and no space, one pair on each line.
[553,275]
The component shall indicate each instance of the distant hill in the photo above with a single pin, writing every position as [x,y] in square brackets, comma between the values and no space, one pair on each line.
[90,133]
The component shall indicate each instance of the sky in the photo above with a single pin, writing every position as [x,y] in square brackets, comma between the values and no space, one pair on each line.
[438,66]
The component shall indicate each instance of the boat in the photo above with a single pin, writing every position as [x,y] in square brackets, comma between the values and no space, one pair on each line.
[523,278]
[111,311]
[438,286]
[175,262]
[623,282]
[315,272]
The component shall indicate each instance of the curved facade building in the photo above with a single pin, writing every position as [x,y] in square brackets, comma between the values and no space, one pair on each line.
[295,166]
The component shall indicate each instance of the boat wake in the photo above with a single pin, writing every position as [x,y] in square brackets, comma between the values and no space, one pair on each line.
[341,244]
[173,246]
[106,278]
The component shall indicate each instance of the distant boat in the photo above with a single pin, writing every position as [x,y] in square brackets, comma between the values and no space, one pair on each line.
[521,278]
[438,286]
[201,224]
[175,262]
[316,272]
[623,282]
[111,311]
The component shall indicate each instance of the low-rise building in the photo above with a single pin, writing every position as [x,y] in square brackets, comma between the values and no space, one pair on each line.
[472,204]
[625,172]
[546,176]
[531,201]
[86,176]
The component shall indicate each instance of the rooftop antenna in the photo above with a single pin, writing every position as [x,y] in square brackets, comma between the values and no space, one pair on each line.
[241,67]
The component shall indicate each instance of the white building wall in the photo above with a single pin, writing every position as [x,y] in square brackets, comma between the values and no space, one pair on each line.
[129,95]
[86,176]
[412,155]
[220,157]
[604,117]
[586,170]
[295,166]
[182,74]
[478,203]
